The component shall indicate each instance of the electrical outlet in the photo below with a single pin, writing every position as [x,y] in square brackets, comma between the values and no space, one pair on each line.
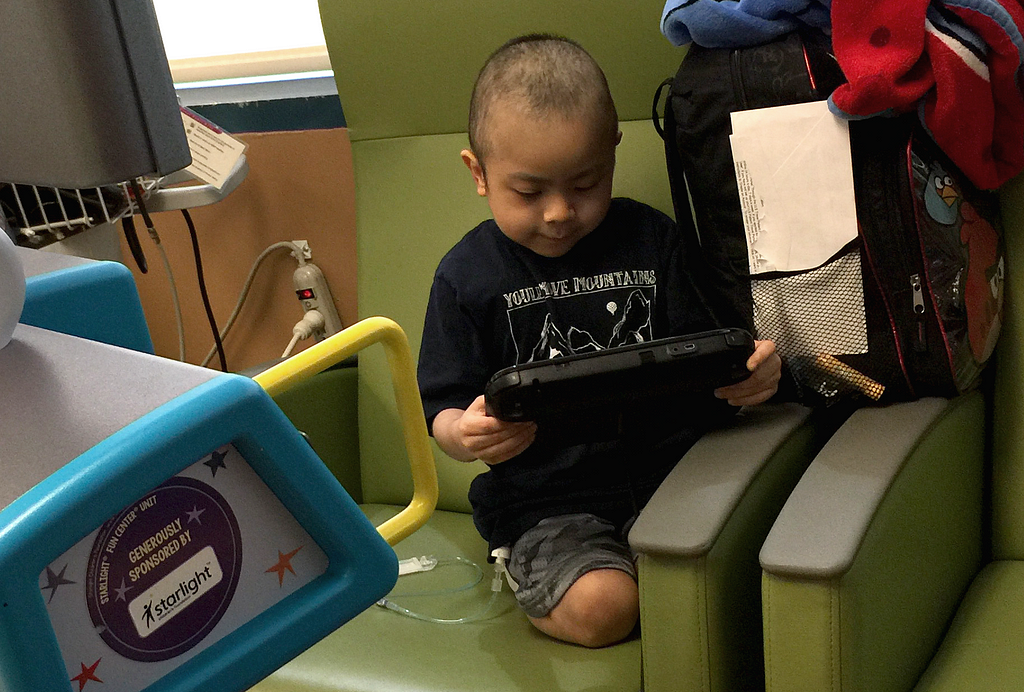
[304,247]
[314,294]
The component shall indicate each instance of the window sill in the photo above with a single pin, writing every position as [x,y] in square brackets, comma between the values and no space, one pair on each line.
[248,89]
[262,76]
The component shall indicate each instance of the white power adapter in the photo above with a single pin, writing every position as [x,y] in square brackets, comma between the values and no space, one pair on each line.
[311,288]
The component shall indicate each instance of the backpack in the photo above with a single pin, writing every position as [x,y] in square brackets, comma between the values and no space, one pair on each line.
[909,308]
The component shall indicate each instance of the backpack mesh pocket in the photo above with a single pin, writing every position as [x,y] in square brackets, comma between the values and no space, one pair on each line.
[812,317]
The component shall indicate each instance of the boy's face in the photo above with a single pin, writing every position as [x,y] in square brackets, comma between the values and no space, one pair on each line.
[548,180]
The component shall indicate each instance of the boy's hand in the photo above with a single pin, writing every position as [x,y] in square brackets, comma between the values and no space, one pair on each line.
[472,434]
[765,367]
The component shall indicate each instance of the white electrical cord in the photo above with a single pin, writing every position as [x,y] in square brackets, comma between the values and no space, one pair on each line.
[427,563]
[295,250]
[311,323]
[174,300]
[479,615]
[291,345]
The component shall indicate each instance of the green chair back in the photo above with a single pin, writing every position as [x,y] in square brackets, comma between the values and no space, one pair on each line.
[1007,483]
[404,74]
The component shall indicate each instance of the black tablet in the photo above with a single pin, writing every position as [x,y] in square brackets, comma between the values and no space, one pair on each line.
[618,379]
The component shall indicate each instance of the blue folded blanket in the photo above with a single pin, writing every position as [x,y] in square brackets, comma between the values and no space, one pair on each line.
[738,23]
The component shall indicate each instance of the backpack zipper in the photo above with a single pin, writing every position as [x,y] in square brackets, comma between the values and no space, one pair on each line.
[737,79]
[920,342]
[886,248]
[925,263]
[810,72]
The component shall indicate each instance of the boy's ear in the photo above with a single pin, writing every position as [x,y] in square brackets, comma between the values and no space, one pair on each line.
[473,164]
[618,137]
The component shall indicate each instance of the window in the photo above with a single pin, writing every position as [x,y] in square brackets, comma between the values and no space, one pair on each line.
[228,39]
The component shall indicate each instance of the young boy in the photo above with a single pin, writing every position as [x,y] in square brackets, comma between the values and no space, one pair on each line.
[562,268]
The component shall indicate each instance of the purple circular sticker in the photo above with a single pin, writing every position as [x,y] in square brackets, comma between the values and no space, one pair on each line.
[163,571]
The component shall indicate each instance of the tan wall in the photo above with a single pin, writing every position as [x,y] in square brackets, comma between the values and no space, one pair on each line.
[299,186]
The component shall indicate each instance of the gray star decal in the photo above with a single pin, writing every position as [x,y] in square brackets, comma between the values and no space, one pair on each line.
[216,461]
[54,581]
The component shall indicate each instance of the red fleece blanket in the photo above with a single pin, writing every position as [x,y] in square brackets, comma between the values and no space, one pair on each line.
[959,62]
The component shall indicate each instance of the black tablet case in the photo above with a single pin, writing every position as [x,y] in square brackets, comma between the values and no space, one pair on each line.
[594,395]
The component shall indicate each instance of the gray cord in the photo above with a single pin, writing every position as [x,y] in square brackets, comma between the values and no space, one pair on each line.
[174,299]
[248,284]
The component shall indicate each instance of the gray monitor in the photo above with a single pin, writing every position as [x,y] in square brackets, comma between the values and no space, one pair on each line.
[86,96]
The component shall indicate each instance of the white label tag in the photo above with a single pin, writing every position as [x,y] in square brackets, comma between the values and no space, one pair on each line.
[214,152]
[177,591]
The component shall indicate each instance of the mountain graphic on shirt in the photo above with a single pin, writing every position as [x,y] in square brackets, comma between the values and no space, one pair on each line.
[581,341]
[635,316]
[630,329]
[551,343]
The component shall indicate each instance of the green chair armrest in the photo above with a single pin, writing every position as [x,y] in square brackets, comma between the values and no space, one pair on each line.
[692,505]
[875,547]
[697,542]
[824,522]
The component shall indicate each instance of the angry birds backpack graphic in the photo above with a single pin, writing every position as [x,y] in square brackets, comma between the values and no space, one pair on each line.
[980,281]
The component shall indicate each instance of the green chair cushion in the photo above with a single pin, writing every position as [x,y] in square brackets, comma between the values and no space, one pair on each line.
[324,408]
[383,651]
[982,649]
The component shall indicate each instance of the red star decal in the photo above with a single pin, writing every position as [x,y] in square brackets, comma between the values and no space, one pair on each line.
[88,673]
[284,562]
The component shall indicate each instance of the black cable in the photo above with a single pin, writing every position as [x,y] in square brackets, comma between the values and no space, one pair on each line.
[202,290]
[132,238]
[140,203]
[129,227]
[137,194]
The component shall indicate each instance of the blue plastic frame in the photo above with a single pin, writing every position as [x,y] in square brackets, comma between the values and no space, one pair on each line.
[95,300]
[53,516]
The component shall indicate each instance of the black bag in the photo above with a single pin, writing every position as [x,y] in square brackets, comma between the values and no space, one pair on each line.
[923,280]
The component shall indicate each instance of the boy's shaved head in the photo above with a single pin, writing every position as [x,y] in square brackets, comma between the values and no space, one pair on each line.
[543,75]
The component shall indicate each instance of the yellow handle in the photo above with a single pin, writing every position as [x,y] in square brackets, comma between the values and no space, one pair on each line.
[337,348]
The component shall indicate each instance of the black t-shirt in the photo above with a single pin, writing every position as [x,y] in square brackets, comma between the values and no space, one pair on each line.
[495,303]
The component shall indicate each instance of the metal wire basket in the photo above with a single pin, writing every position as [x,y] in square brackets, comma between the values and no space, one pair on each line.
[38,216]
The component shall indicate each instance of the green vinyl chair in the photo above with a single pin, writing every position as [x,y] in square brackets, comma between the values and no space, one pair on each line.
[404,75]
[898,562]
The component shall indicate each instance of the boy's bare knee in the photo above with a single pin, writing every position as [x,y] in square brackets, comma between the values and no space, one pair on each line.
[601,608]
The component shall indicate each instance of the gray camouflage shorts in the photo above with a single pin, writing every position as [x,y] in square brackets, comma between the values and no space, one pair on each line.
[550,557]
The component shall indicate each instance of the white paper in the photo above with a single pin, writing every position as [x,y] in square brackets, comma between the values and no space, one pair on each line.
[214,152]
[795,177]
